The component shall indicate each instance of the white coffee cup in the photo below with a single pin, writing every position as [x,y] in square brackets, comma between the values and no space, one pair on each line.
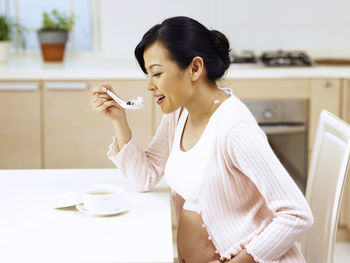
[103,198]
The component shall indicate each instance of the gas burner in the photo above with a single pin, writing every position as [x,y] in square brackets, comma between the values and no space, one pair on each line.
[244,56]
[282,58]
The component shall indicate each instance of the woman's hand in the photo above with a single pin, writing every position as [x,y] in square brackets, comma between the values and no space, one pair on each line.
[241,257]
[102,103]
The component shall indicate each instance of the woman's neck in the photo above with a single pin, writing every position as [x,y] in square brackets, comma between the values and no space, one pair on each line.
[205,100]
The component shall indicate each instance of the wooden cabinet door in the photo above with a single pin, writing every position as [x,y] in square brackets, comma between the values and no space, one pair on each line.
[325,94]
[78,137]
[74,135]
[20,146]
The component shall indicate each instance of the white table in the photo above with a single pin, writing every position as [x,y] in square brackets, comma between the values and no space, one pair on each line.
[32,231]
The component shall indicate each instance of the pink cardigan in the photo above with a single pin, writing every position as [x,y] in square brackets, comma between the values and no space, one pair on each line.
[247,199]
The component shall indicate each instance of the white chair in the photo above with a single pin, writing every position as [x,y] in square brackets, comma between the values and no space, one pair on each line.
[325,186]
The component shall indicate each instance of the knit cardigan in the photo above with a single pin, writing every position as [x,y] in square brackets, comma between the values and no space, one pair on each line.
[247,199]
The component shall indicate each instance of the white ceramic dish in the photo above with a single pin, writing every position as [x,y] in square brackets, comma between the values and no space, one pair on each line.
[124,208]
[67,200]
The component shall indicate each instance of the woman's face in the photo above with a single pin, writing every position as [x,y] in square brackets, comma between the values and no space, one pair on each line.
[171,86]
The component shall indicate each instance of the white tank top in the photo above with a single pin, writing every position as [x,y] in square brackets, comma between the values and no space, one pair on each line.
[184,170]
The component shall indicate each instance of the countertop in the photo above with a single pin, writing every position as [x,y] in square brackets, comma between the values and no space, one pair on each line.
[33,231]
[102,67]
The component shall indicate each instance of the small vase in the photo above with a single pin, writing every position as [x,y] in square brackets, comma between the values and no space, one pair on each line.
[4,50]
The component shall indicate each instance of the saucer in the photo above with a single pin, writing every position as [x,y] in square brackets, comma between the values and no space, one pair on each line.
[123,209]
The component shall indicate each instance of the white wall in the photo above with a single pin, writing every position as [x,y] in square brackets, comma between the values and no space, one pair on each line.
[321,27]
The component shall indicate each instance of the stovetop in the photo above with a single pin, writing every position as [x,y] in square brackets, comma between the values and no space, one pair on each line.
[279,58]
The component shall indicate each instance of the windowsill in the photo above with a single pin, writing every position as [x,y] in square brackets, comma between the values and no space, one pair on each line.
[76,65]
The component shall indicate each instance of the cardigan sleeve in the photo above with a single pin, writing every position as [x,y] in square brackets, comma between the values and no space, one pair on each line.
[143,167]
[250,152]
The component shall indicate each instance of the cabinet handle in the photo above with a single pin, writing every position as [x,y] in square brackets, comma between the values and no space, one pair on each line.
[65,85]
[328,84]
[11,86]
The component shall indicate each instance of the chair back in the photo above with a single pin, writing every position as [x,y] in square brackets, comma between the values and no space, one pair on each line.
[325,186]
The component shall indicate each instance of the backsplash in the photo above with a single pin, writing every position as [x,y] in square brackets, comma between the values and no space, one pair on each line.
[320,27]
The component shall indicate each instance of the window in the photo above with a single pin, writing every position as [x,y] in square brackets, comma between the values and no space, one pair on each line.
[30,13]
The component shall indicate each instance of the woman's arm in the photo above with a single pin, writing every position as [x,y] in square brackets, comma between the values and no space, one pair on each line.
[144,168]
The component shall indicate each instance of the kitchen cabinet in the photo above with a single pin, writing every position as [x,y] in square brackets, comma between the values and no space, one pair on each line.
[20,129]
[77,137]
[50,124]
[324,94]
[74,136]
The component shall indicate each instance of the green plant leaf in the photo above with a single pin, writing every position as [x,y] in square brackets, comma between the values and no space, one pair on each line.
[12,31]
[5,28]
[57,21]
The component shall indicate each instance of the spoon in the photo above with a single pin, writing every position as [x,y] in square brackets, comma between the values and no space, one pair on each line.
[131,105]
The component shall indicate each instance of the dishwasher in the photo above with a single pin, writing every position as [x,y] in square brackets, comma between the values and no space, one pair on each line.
[285,123]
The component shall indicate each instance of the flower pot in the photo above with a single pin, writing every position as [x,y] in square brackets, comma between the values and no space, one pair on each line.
[4,50]
[53,44]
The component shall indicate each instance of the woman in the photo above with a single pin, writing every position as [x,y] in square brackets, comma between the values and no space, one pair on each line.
[234,200]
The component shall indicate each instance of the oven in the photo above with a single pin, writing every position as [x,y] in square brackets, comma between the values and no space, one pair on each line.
[285,123]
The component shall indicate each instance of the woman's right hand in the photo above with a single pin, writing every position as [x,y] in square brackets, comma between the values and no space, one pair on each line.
[102,103]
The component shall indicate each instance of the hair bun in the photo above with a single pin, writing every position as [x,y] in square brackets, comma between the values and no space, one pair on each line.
[222,47]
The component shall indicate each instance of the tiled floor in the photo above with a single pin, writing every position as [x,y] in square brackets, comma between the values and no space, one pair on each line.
[342,252]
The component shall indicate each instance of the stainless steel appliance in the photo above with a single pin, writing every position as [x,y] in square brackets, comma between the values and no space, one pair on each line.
[282,58]
[244,56]
[285,123]
[278,58]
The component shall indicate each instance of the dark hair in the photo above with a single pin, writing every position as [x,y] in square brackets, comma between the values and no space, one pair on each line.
[186,38]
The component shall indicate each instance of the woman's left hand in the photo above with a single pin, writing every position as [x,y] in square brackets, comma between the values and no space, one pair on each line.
[241,257]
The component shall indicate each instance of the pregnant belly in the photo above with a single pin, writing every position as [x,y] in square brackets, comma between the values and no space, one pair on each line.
[192,240]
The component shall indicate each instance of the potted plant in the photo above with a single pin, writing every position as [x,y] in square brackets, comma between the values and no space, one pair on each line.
[54,34]
[10,31]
